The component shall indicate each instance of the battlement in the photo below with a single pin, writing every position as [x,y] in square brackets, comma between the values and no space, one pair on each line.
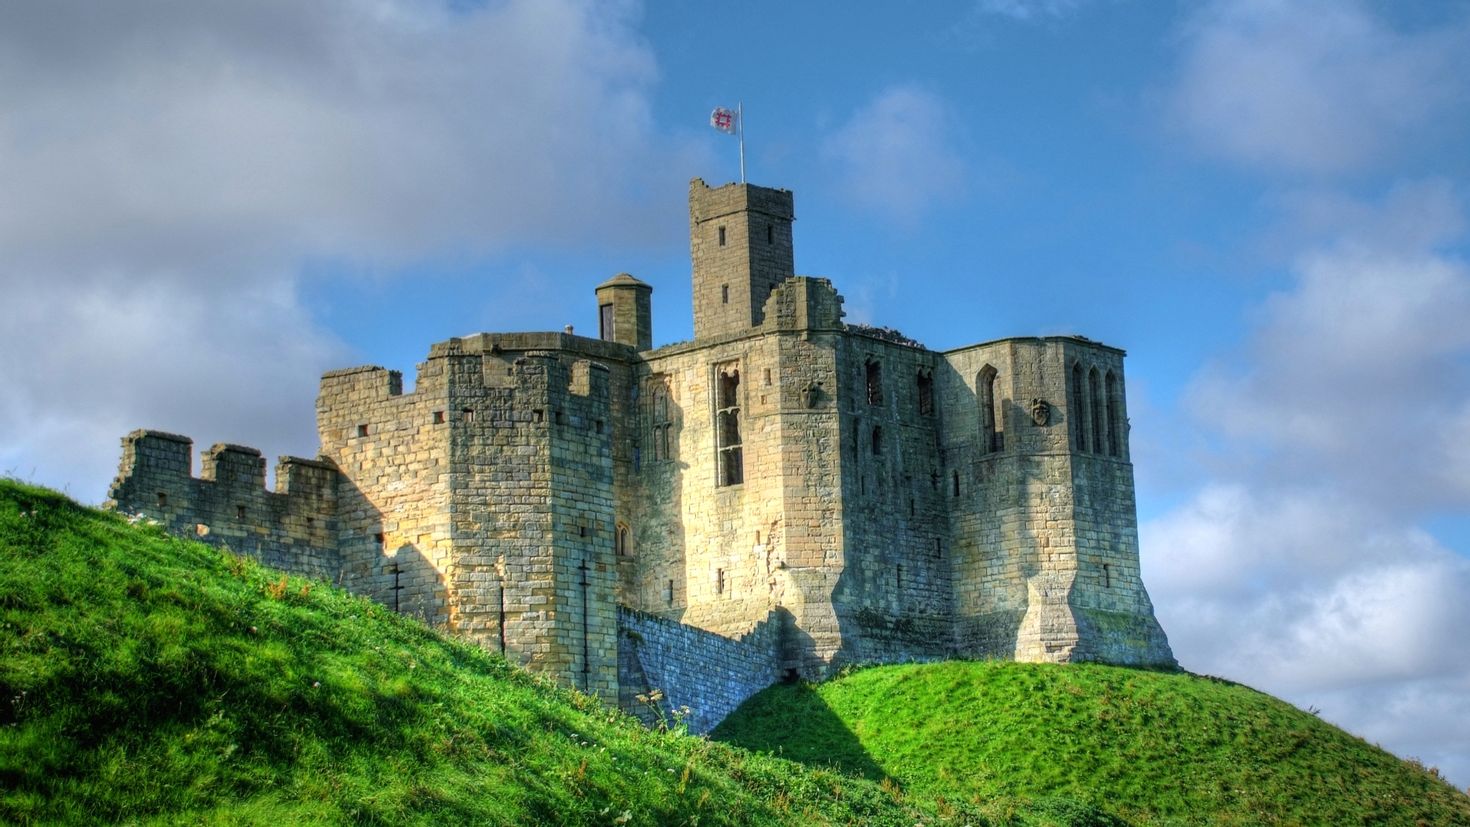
[228,504]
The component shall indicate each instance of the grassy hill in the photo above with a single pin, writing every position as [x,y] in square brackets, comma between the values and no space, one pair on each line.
[1147,747]
[149,679]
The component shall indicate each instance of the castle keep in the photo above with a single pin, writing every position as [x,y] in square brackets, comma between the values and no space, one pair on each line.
[782,495]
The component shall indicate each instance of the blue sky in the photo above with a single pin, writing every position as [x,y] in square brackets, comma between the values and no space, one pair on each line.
[203,206]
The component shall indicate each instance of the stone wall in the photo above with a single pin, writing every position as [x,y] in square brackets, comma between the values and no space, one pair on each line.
[691,667]
[292,528]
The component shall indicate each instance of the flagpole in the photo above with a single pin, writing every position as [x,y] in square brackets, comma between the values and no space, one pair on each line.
[740,121]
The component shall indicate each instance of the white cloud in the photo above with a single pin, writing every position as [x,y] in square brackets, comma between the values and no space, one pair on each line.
[1029,9]
[896,155]
[167,171]
[1301,568]
[1319,86]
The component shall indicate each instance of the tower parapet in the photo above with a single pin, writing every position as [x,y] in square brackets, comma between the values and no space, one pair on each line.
[741,246]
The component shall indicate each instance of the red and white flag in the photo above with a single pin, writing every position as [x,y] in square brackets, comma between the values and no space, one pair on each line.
[725,120]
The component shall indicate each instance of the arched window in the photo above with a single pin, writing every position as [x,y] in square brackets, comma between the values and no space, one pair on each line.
[1095,406]
[992,438]
[1077,411]
[1115,414]
[620,540]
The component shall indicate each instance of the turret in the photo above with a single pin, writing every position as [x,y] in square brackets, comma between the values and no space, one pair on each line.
[624,312]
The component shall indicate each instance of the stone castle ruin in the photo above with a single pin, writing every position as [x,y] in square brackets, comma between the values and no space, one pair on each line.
[782,495]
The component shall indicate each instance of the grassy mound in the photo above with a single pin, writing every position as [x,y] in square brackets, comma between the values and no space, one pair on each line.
[1147,747]
[150,679]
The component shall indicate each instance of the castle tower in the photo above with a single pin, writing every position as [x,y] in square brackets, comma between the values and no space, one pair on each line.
[740,242]
[624,312]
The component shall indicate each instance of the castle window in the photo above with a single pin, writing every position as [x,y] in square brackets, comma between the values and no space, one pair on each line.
[670,593]
[938,548]
[560,417]
[719,581]
[770,234]
[722,236]
[877,440]
[898,576]
[873,376]
[362,430]
[992,438]
[659,418]
[162,500]
[620,540]
[926,392]
[637,456]
[727,427]
[1115,414]
[310,523]
[724,294]
[1078,412]
[597,426]
[581,531]
[468,414]
[605,322]
[438,417]
[955,481]
[768,376]
[537,415]
[380,539]
[239,512]
[1094,404]
[1107,576]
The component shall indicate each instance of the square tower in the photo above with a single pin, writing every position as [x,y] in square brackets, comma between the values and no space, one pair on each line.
[740,242]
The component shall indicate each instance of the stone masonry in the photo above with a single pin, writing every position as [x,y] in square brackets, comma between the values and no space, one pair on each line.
[783,495]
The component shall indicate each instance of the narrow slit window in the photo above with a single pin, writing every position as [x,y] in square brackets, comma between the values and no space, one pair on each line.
[362,430]
[877,440]
[1078,412]
[438,417]
[955,481]
[873,379]
[719,581]
[722,236]
[1115,414]
[1107,576]
[724,294]
[926,393]
[620,541]
[1098,437]
[991,437]
[239,512]
[770,234]
[670,593]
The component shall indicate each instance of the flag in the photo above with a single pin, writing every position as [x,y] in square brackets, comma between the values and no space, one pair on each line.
[725,120]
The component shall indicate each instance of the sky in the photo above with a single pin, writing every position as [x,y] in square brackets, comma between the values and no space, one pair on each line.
[205,205]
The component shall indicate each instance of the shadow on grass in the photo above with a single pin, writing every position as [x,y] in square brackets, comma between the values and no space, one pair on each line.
[767,722]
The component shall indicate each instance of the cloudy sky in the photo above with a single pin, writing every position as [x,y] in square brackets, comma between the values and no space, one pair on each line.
[204,205]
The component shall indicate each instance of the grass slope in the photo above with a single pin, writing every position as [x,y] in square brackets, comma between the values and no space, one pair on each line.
[1148,747]
[146,679]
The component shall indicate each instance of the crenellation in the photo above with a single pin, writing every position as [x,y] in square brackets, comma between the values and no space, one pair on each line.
[785,494]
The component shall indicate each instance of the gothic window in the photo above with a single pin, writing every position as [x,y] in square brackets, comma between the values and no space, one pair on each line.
[1098,437]
[1078,410]
[660,419]
[926,392]
[727,426]
[874,378]
[992,438]
[1115,415]
[620,540]
[605,322]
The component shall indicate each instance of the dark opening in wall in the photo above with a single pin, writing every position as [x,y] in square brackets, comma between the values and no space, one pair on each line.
[991,423]
[938,548]
[162,500]
[873,376]
[877,440]
[1077,412]
[955,477]
[770,234]
[722,236]
[1107,576]
[768,376]
[537,415]
[605,322]
[597,426]
[727,427]
[670,594]
[438,417]
[898,576]
[620,540]
[581,531]
[362,430]
[719,581]
[239,512]
[468,414]
[310,523]
[926,393]
[559,417]
[724,294]
[380,539]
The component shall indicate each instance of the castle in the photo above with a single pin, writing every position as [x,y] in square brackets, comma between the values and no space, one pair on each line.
[782,495]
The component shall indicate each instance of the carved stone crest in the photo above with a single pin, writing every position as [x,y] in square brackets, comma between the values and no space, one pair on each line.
[811,394]
[1040,411]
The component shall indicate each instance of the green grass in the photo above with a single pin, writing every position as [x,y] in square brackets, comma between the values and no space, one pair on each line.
[1148,747]
[146,679]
